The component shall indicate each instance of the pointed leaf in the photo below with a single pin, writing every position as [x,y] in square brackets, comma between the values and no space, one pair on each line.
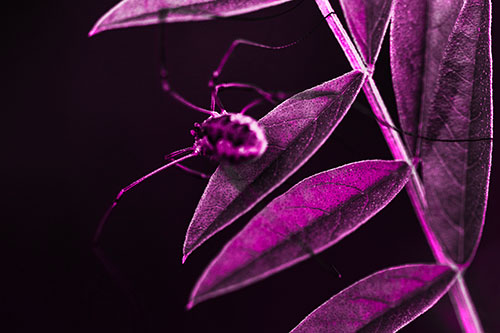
[456,175]
[295,130]
[313,215]
[132,13]
[419,34]
[382,302]
[367,20]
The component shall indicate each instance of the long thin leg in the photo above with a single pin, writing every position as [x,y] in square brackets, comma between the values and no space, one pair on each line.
[232,47]
[365,111]
[136,306]
[173,154]
[250,105]
[240,41]
[164,78]
[132,185]
[272,98]
[193,172]
[170,157]
[188,170]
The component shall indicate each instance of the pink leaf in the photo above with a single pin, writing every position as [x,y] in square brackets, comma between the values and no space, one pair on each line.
[456,175]
[382,302]
[419,34]
[132,13]
[295,130]
[313,215]
[367,21]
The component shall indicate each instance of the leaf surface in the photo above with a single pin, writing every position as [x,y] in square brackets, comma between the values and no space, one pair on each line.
[367,20]
[295,130]
[419,35]
[382,302]
[456,175]
[131,13]
[313,215]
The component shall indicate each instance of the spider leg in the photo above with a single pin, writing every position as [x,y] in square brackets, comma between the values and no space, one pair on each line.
[196,173]
[135,303]
[170,157]
[216,73]
[132,185]
[165,85]
[250,105]
[273,98]
[240,41]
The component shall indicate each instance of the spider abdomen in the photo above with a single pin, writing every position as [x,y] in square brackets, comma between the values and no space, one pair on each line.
[230,138]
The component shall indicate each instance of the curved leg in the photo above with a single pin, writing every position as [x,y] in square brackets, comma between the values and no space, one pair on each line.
[250,105]
[193,172]
[272,98]
[137,182]
[216,73]
[240,41]
[164,79]
[215,101]
[170,158]
[124,285]
[365,111]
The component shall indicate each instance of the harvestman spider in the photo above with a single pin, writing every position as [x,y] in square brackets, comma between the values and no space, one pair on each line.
[225,137]
[232,138]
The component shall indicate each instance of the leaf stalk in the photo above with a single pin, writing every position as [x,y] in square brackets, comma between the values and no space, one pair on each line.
[462,302]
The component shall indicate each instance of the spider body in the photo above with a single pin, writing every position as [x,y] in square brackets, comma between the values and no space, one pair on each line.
[231,138]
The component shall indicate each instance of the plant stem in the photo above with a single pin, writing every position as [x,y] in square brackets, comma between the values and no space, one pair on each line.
[464,307]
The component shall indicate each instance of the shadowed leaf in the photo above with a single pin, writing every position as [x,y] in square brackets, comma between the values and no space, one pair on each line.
[295,130]
[383,302]
[313,215]
[419,34]
[367,21]
[132,13]
[456,175]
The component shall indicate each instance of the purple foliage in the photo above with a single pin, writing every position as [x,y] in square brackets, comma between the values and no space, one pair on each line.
[456,176]
[368,21]
[132,13]
[419,32]
[313,215]
[441,66]
[382,302]
[295,130]
[452,77]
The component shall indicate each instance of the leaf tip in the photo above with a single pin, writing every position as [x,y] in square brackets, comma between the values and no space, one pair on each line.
[188,248]
[186,253]
[194,298]
[92,32]
[97,28]
[190,305]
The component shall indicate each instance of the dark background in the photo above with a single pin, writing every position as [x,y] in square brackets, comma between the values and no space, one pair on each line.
[85,117]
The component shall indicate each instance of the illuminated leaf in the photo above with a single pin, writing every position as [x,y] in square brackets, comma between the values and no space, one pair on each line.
[313,215]
[382,302]
[295,130]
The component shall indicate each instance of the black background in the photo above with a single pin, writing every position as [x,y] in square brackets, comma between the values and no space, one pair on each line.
[85,117]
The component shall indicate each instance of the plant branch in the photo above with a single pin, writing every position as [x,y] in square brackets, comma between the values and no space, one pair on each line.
[464,307]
